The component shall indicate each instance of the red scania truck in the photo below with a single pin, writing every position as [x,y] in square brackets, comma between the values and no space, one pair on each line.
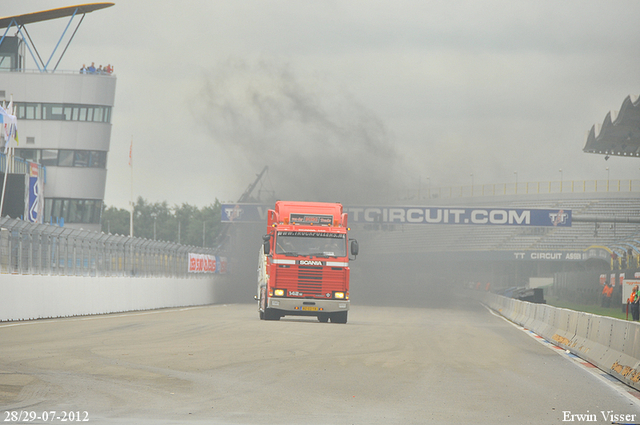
[303,267]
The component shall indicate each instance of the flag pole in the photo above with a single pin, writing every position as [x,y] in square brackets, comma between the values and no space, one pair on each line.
[131,202]
[4,180]
[132,206]
[8,156]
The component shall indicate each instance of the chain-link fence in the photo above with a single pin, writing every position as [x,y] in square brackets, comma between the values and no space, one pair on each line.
[28,248]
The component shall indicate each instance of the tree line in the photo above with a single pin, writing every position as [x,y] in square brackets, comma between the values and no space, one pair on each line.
[185,224]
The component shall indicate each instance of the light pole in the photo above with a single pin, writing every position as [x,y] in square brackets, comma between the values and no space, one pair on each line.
[203,226]
[428,187]
[561,179]
[471,184]
[516,173]
[154,215]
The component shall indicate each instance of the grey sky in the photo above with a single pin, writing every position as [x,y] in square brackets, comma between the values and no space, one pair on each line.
[386,94]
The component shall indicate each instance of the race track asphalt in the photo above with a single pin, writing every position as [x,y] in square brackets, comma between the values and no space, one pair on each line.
[220,364]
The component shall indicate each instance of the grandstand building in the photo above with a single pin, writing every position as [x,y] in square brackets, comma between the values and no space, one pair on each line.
[619,134]
[602,245]
[603,242]
[64,120]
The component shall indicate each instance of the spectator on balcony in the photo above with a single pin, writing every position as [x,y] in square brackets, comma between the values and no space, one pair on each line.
[92,68]
[83,70]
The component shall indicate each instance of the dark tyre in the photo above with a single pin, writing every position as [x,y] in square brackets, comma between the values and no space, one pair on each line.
[269,314]
[339,317]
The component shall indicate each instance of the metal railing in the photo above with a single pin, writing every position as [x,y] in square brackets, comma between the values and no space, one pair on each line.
[57,71]
[528,188]
[28,248]
[18,165]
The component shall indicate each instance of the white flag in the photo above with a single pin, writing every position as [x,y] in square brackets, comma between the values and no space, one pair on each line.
[9,126]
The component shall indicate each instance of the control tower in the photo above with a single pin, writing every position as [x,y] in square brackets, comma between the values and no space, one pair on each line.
[64,116]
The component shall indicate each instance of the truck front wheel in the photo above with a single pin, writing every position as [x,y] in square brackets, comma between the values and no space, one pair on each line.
[269,314]
[339,317]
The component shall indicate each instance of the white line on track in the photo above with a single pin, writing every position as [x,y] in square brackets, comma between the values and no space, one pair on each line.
[100,316]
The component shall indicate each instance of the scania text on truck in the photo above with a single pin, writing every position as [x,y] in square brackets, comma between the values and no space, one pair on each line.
[303,267]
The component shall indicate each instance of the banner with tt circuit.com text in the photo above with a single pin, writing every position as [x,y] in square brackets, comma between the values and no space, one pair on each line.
[257,213]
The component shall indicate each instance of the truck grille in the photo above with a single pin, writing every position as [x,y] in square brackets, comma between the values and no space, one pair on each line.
[310,280]
[314,281]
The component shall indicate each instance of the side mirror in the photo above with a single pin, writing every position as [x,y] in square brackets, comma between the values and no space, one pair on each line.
[354,247]
[266,246]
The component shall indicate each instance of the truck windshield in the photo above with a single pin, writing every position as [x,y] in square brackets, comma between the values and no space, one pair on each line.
[311,243]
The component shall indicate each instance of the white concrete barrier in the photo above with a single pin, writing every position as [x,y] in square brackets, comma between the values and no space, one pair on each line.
[612,345]
[24,297]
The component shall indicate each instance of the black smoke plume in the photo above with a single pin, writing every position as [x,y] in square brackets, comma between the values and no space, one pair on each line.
[319,143]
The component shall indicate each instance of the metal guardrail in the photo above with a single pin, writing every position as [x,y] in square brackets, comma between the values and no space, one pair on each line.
[28,248]
[613,345]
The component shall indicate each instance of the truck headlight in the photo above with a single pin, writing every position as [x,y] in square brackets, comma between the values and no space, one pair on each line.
[338,295]
[278,292]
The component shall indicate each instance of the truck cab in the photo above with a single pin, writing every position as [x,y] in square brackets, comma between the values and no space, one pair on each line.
[303,266]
